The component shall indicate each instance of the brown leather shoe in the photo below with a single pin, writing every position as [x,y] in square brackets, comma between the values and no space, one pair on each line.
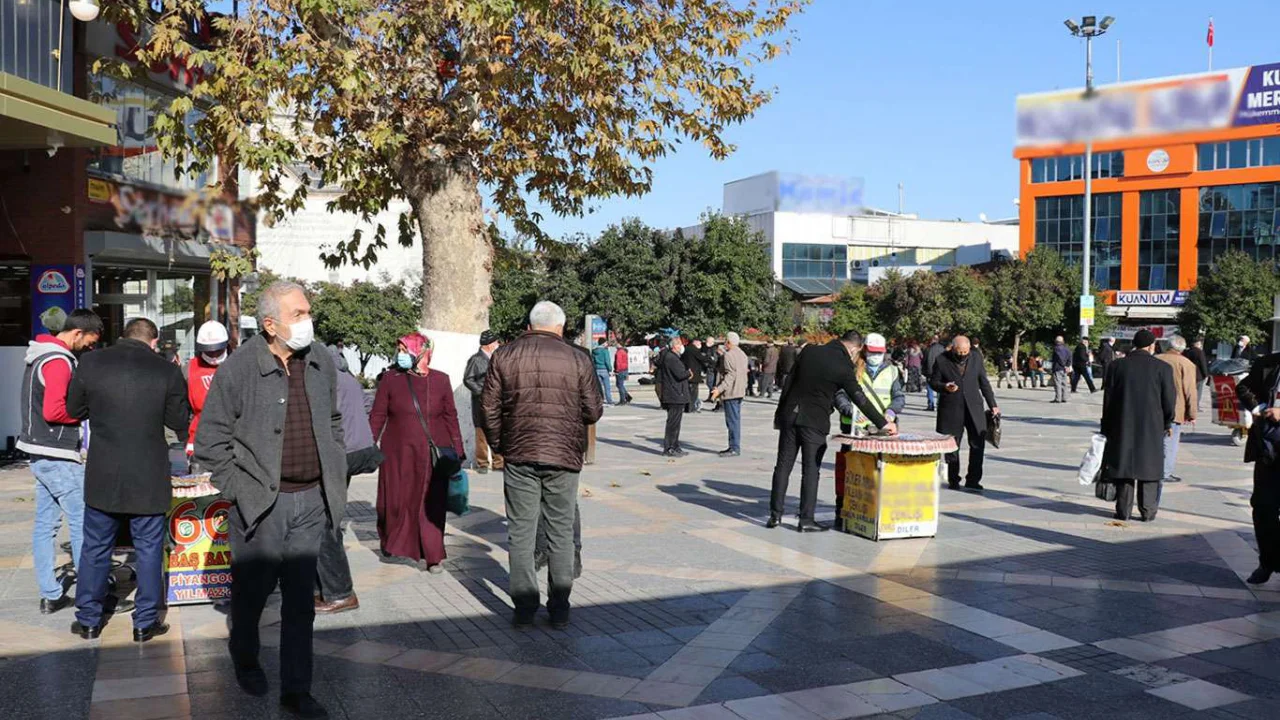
[337,606]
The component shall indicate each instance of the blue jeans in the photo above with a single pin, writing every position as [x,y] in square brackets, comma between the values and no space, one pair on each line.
[603,377]
[59,491]
[621,379]
[733,421]
[928,393]
[1171,450]
[100,529]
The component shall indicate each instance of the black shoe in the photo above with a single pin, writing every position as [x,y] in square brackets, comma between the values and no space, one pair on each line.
[114,606]
[1173,479]
[810,526]
[953,484]
[1259,576]
[560,619]
[522,620]
[303,705]
[145,634]
[729,453]
[773,522]
[677,453]
[973,487]
[49,607]
[252,680]
[89,633]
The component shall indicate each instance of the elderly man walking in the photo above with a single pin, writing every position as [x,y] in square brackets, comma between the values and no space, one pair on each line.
[960,379]
[473,378]
[539,397]
[271,434]
[1061,369]
[1137,414]
[730,391]
[1185,403]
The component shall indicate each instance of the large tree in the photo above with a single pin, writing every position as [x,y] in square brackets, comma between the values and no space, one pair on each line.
[545,104]
[1027,295]
[851,311]
[626,279]
[725,280]
[1234,298]
[967,298]
[368,316]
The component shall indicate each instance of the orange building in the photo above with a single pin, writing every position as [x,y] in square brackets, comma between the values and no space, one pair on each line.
[1184,169]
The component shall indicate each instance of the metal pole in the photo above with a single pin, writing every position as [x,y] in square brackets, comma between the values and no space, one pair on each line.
[1088,182]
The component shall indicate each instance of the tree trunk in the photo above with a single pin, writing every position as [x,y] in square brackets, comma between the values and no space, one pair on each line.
[457,258]
[1017,341]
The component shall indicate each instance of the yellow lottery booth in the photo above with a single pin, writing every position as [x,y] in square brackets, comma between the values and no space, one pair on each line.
[892,483]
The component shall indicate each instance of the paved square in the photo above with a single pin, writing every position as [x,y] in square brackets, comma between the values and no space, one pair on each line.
[1030,602]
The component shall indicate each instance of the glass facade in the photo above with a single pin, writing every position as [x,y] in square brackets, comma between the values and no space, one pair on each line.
[1060,227]
[136,155]
[1238,217]
[29,41]
[1236,154]
[820,262]
[1071,167]
[1159,214]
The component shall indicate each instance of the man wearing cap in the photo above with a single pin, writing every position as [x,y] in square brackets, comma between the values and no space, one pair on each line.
[1138,404]
[477,370]
[211,349]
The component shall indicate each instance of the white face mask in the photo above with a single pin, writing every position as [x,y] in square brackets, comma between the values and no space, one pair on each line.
[301,334]
[875,359]
[214,359]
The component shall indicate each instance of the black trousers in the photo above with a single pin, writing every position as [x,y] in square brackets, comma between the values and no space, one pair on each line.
[281,548]
[977,449]
[333,571]
[810,444]
[671,437]
[1266,514]
[1081,372]
[1148,499]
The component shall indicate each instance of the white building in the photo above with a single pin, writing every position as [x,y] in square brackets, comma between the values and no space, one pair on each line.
[822,236]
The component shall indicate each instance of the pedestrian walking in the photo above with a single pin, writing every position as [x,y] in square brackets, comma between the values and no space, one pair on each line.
[1106,355]
[769,369]
[1184,381]
[753,376]
[538,400]
[271,434]
[1081,360]
[212,342]
[1138,410]
[730,391]
[1196,355]
[621,369]
[931,356]
[131,394]
[412,411]
[786,362]
[915,367]
[473,377]
[52,437]
[1061,367]
[675,391]
[1259,393]
[603,362]
[803,420]
[960,379]
[337,591]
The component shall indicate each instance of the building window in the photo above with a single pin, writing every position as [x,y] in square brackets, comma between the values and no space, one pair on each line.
[818,262]
[1238,217]
[1159,216]
[136,155]
[1235,154]
[1060,227]
[1071,167]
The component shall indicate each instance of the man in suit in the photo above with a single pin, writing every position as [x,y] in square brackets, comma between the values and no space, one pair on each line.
[787,362]
[131,395]
[1081,359]
[961,382]
[1196,355]
[695,361]
[1106,356]
[1259,393]
[803,420]
[1138,405]
[674,393]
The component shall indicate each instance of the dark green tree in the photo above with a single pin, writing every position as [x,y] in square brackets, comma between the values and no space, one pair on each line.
[624,278]
[1027,296]
[967,299]
[728,281]
[1234,298]
[368,316]
[851,311]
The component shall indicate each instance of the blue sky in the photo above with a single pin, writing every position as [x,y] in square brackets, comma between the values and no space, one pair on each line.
[923,92]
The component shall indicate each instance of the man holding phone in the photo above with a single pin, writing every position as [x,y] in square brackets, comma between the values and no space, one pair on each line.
[960,379]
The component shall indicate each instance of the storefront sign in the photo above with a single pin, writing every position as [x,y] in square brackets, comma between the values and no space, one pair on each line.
[1158,160]
[198,568]
[1151,298]
[817,194]
[192,216]
[1260,102]
[56,290]
[121,41]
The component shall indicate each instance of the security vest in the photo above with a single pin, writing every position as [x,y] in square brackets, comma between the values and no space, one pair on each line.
[879,391]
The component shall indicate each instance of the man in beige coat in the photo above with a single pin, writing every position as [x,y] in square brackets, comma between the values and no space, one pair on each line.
[1185,406]
[730,391]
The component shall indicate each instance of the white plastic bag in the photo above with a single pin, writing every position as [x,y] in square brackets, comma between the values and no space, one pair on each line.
[1092,462]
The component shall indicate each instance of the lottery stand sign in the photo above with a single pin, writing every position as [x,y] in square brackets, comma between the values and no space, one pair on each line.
[198,564]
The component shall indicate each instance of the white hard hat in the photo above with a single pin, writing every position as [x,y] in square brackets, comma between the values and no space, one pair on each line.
[212,337]
[875,343]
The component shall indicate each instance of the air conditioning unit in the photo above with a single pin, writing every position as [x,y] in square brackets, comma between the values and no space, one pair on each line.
[857,264]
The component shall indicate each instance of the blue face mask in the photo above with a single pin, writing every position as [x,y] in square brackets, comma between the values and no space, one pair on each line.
[404,361]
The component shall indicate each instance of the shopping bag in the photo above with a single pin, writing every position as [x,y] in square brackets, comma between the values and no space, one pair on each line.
[993,429]
[459,501]
[1092,463]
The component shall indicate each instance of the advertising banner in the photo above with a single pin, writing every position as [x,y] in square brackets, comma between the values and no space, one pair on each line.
[56,290]
[861,494]
[1086,310]
[1224,390]
[638,359]
[198,565]
[908,497]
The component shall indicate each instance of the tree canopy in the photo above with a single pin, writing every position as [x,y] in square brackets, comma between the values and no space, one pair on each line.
[1234,298]
[851,311]
[370,317]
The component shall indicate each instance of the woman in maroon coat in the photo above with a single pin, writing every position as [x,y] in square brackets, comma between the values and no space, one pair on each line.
[411,503]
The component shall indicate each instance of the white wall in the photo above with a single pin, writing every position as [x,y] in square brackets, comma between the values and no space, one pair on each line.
[12,366]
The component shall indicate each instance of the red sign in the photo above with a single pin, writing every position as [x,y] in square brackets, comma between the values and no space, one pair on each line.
[1224,389]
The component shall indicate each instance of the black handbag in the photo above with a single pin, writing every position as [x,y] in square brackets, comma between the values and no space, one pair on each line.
[445,462]
[993,429]
[1104,489]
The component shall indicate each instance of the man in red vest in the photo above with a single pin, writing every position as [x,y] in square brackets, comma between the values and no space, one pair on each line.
[211,349]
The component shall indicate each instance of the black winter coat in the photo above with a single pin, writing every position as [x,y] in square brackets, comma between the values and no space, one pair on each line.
[673,378]
[1256,389]
[130,395]
[810,392]
[1138,405]
[974,388]
[695,361]
[787,359]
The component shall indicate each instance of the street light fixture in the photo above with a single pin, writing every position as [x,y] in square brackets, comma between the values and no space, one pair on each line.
[1089,28]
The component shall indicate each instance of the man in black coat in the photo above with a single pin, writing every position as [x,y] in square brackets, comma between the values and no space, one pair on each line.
[130,395]
[1259,393]
[803,419]
[673,378]
[1106,355]
[787,361]
[1196,355]
[695,361]
[931,355]
[960,379]
[1080,362]
[1138,406]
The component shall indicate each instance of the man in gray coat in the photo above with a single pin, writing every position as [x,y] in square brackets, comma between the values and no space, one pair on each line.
[731,389]
[271,434]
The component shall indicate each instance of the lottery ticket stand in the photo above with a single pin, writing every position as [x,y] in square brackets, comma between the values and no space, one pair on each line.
[892,483]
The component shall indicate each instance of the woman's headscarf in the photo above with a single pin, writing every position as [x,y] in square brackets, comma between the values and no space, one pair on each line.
[416,344]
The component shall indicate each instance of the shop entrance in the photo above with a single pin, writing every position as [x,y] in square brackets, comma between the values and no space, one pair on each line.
[176,301]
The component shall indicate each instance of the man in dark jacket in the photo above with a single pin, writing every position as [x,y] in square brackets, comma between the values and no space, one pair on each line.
[1081,359]
[695,360]
[803,419]
[1138,405]
[960,379]
[1061,368]
[131,394]
[1196,355]
[271,434]
[769,369]
[931,355]
[1106,356]
[787,362]
[473,378]
[539,397]
[1259,393]
[675,391]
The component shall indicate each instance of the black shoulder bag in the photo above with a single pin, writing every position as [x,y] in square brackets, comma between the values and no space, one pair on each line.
[445,462]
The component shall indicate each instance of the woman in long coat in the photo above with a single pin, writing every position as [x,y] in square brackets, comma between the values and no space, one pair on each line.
[411,503]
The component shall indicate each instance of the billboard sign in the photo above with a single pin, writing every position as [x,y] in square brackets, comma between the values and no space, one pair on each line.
[819,194]
[56,290]
[1151,298]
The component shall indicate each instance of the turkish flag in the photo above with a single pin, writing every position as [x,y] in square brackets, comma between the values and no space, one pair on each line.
[1209,39]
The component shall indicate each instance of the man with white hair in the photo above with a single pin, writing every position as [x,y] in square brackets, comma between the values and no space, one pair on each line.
[1061,366]
[540,395]
[730,391]
[1243,350]
[1184,397]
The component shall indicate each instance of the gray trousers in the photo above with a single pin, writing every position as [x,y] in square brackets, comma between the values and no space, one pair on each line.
[538,494]
[1060,385]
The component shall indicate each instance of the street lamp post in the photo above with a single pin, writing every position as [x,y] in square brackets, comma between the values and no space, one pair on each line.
[1088,28]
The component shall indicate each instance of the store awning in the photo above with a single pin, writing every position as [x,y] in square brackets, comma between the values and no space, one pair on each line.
[30,114]
[106,247]
[813,286]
